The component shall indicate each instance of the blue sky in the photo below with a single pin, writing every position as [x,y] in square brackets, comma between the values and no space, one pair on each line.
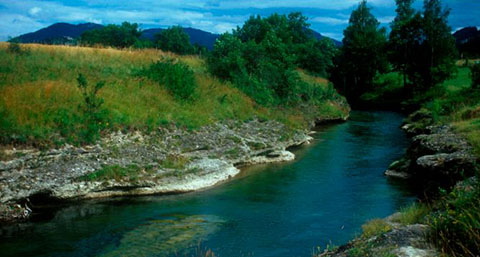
[328,17]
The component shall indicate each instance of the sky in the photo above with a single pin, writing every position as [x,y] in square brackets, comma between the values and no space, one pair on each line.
[329,17]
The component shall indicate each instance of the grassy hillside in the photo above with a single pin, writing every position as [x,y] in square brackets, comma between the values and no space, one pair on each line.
[40,99]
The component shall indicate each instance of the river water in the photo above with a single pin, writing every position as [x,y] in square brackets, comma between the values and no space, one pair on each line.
[333,187]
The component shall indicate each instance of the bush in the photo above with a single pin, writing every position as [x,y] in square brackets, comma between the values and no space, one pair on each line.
[93,116]
[475,69]
[177,77]
[15,48]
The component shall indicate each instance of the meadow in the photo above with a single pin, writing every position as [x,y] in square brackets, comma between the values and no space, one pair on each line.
[40,101]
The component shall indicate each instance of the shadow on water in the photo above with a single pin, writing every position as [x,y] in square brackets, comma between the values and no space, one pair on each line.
[333,187]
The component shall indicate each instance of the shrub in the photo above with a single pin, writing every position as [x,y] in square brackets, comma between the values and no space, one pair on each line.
[177,77]
[93,116]
[475,69]
[15,48]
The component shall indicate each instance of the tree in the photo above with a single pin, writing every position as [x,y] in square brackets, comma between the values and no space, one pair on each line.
[262,56]
[121,36]
[421,45]
[439,62]
[362,55]
[174,39]
[402,38]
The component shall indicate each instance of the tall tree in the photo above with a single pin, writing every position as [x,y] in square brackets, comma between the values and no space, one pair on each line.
[175,40]
[402,37]
[439,44]
[362,54]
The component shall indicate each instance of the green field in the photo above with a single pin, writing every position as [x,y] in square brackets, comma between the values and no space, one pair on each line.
[40,99]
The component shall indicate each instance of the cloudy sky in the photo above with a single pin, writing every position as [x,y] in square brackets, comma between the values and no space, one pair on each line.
[328,17]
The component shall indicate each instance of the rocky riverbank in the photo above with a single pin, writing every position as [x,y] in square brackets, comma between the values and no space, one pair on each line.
[170,160]
[437,157]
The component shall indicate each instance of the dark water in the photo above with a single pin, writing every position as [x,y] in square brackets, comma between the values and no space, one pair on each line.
[334,186]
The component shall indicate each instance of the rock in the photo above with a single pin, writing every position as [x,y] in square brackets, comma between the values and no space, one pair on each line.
[410,251]
[401,240]
[454,165]
[418,122]
[399,169]
[206,157]
[441,157]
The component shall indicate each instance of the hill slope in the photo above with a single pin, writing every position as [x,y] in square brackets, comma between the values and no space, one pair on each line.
[65,33]
[57,31]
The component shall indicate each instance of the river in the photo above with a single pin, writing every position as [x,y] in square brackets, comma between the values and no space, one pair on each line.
[324,196]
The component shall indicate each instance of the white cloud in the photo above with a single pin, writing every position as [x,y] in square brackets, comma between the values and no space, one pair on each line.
[329,20]
[34,11]
[386,19]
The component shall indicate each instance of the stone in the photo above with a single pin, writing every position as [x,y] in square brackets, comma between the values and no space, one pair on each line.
[210,155]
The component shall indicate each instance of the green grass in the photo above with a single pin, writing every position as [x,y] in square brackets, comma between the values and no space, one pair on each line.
[39,97]
[363,246]
[413,214]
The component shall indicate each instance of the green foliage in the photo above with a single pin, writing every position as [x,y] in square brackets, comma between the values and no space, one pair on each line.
[143,44]
[362,55]
[121,36]
[227,60]
[475,70]
[421,45]
[261,58]
[455,226]
[316,55]
[174,39]
[93,116]
[176,76]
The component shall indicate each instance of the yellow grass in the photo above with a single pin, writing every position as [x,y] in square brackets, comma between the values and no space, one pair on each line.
[36,85]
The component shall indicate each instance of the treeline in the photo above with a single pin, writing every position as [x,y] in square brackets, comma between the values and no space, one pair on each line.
[420,47]
[261,58]
[127,35]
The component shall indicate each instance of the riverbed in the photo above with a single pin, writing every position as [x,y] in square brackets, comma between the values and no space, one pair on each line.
[323,197]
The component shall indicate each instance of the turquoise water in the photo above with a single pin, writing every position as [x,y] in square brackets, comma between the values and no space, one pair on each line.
[334,186]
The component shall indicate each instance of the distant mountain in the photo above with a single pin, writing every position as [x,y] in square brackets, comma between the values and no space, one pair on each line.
[320,36]
[197,36]
[64,33]
[468,41]
[58,32]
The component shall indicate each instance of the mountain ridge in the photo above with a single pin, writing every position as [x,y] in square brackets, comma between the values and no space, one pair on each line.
[65,33]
